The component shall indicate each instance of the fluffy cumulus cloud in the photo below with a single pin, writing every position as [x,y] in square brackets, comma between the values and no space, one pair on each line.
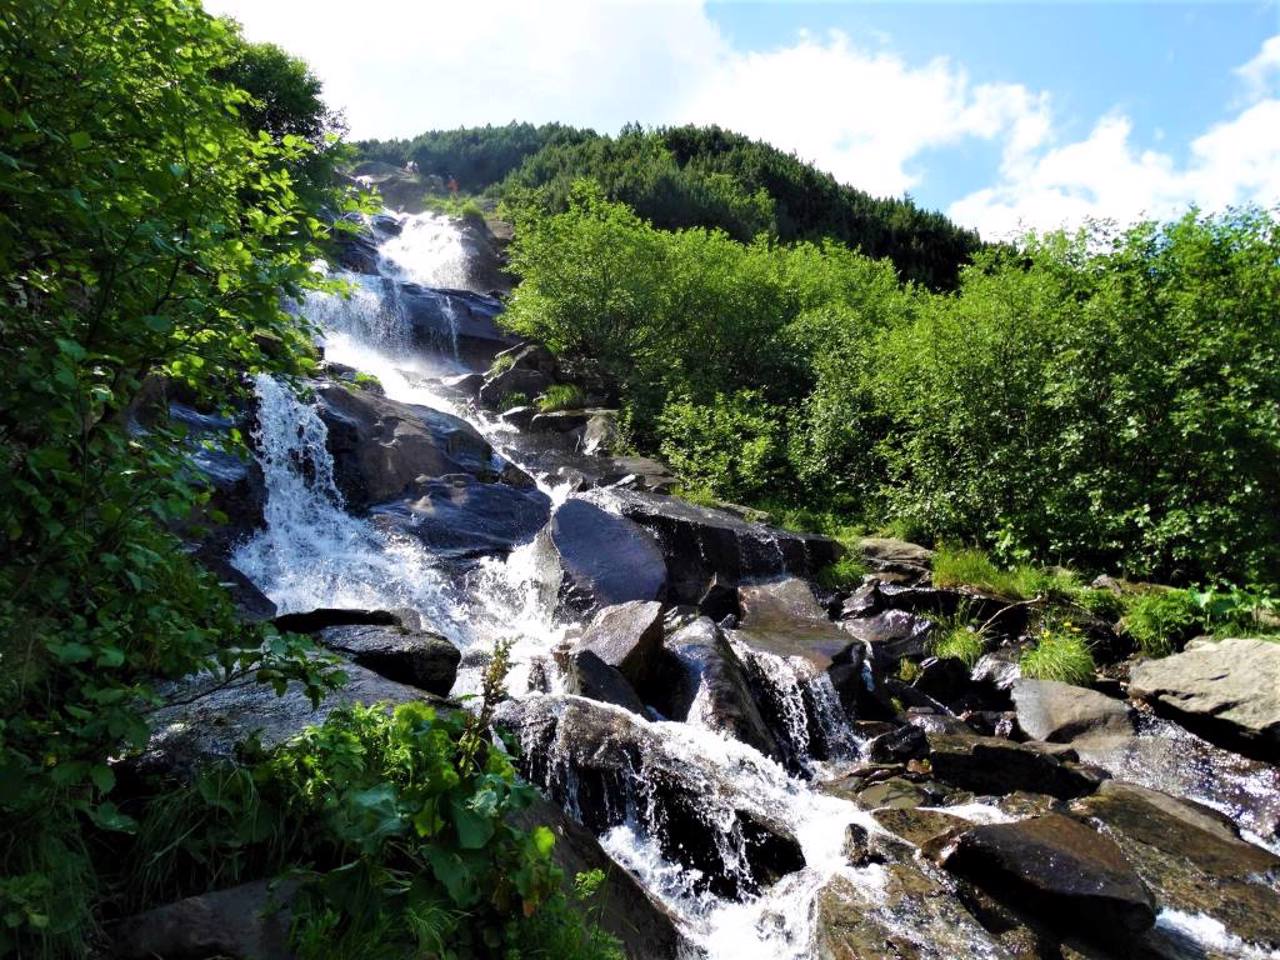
[1105,176]
[849,104]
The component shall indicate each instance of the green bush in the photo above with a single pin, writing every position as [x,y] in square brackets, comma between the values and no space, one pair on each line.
[1160,621]
[501,363]
[845,572]
[966,566]
[363,379]
[732,446]
[397,825]
[961,642]
[1061,653]
[510,401]
[562,396]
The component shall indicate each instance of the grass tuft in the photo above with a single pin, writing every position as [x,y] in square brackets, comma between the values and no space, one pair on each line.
[970,567]
[562,396]
[845,572]
[1060,654]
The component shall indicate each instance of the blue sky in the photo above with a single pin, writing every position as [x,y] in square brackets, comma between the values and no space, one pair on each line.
[1004,115]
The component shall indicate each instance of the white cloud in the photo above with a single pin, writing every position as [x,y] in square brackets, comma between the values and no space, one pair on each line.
[849,104]
[1260,73]
[1105,176]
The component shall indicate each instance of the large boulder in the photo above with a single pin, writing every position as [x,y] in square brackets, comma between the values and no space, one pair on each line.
[909,561]
[1192,858]
[1059,871]
[380,447]
[461,516]
[248,922]
[628,637]
[454,321]
[707,684]
[610,768]
[893,635]
[782,617]
[907,915]
[586,675]
[593,558]
[1229,692]
[207,718]
[645,928]
[991,765]
[1063,713]
[700,543]
[418,658]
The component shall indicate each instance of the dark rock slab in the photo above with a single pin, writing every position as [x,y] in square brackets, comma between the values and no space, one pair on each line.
[380,447]
[1192,858]
[782,617]
[418,658]
[916,826]
[892,636]
[600,558]
[460,516]
[1228,692]
[587,675]
[704,681]
[990,765]
[608,767]
[248,922]
[1062,713]
[218,717]
[628,637]
[700,543]
[1059,871]
[890,555]
[310,621]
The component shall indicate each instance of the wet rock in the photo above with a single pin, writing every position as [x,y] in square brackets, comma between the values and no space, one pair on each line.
[700,543]
[1192,858]
[918,827]
[635,473]
[380,447]
[442,320]
[899,746]
[460,516]
[857,846]
[646,929]
[1058,870]
[704,681]
[719,600]
[587,675]
[600,436]
[1228,692]
[998,669]
[596,559]
[248,922]
[418,658]
[945,679]
[989,765]
[897,556]
[357,252]
[782,617]
[252,605]
[464,385]
[519,417]
[892,636]
[218,717]
[895,793]
[1062,713]
[310,621]
[610,768]
[564,421]
[628,637]
[909,916]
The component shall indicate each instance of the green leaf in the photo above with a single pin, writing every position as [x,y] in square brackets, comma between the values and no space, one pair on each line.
[103,777]
[79,140]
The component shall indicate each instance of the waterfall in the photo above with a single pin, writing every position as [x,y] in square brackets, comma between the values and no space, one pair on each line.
[311,552]
[429,251]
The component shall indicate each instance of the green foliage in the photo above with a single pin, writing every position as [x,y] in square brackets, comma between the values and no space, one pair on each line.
[562,396]
[1061,653]
[733,445]
[1160,621]
[401,819]
[363,379]
[970,567]
[148,228]
[509,401]
[502,362]
[961,643]
[845,572]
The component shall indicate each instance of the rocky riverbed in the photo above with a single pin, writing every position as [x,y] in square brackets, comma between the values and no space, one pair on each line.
[739,748]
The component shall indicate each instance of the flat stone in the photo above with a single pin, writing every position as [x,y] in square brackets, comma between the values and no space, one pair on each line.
[1061,712]
[628,637]
[418,658]
[1058,870]
[1228,692]
[990,765]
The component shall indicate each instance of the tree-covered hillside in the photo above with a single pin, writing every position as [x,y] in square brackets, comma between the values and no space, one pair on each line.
[689,176]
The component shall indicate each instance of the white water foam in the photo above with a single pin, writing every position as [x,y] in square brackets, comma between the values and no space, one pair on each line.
[427,251]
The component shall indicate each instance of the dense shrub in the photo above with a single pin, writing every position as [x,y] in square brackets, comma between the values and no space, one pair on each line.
[1104,401]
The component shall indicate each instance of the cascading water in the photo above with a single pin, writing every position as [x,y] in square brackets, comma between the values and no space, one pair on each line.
[313,553]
